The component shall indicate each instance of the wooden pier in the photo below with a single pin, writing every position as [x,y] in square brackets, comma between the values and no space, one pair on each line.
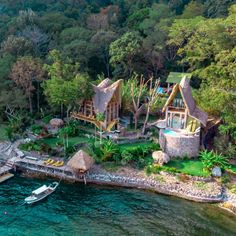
[5,172]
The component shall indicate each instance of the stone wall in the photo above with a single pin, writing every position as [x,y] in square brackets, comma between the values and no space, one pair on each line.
[180,145]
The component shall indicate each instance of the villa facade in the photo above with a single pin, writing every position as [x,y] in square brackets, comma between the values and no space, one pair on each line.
[105,102]
[180,131]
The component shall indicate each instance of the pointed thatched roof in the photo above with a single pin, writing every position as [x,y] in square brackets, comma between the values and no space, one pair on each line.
[80,162]
[189,101]
[104,92]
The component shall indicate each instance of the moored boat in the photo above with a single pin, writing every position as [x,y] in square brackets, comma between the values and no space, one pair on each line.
[41,193]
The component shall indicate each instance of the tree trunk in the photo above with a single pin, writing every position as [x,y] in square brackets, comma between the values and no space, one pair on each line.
[106,60]
[61,110]
[146,120]
[135,121]
[67,111]
[38,95]
[30,104]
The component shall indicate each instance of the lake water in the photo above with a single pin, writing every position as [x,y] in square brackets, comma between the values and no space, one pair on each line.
[75,209]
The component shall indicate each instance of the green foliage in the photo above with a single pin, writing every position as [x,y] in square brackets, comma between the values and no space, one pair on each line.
[211,159]
[30,146]
[155,169]
[37,129]
[207,47]
[15,126]
[145,36]
[193,9]
[137,156]
[223,145]
[108,150]
[66,81]
[124,50]
[46,119]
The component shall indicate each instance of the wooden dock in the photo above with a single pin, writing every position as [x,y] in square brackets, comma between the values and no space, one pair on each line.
[5,172]
[5,177]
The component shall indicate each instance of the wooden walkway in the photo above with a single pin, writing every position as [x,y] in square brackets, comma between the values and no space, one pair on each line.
[5,169]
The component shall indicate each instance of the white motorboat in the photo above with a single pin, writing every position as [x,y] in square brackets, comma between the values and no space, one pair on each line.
[41,193]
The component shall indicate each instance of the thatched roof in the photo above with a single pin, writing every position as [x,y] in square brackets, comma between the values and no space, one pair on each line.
[104,92]
[80,162]
[189,101]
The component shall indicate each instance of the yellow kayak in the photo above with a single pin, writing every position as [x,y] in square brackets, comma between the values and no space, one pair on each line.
[47,161]
[50,162]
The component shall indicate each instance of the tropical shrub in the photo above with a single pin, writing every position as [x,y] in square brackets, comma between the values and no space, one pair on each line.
[30,146]
[108,149]
[46,119]
[37,129]
[211,159]
[94,149]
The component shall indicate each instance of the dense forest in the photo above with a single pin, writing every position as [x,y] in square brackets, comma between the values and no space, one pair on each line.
[51,49]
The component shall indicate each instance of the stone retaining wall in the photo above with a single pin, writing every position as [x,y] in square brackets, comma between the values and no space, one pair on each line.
[180,145]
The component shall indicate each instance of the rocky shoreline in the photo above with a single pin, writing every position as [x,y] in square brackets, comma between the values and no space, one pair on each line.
[198,189]
[195,189]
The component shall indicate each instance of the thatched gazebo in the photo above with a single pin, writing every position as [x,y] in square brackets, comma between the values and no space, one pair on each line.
[80,162]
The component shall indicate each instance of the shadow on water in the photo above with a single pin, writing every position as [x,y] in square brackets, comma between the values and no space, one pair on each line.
[75,209]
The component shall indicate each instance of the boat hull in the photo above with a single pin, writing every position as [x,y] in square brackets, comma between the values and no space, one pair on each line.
[29,200]
[41,193]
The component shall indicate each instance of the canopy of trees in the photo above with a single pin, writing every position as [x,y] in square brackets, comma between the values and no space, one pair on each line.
[51,49]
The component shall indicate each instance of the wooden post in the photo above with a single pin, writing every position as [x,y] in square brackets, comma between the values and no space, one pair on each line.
[167,117]
[114,110]
[117,110]
[109,115]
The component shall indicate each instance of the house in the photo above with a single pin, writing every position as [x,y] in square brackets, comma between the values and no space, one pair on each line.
[180,130]
[105,103]
[175,78]
[180,109]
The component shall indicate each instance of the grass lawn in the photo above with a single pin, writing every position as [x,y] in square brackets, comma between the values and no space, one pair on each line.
[3,135]
[135,145]
[52,142]
[190,167]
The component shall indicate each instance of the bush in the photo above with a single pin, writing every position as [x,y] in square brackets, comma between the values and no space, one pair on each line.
[37,129]
[211,159]
[155,169]
[224,146]
[94,149]
[108,149]
[46,119]
[31,146]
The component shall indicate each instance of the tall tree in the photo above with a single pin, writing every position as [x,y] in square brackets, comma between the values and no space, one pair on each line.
[124,50]
[24,72]
[66,86]
[103,39]
[133,97]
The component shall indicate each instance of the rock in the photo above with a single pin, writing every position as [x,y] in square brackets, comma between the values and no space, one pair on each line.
[216,172]
[56,122]
[160,157]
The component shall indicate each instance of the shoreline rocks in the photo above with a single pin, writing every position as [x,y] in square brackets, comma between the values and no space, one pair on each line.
[164,183]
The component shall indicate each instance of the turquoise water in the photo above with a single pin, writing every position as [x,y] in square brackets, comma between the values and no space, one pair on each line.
[95,210]
[170,132]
